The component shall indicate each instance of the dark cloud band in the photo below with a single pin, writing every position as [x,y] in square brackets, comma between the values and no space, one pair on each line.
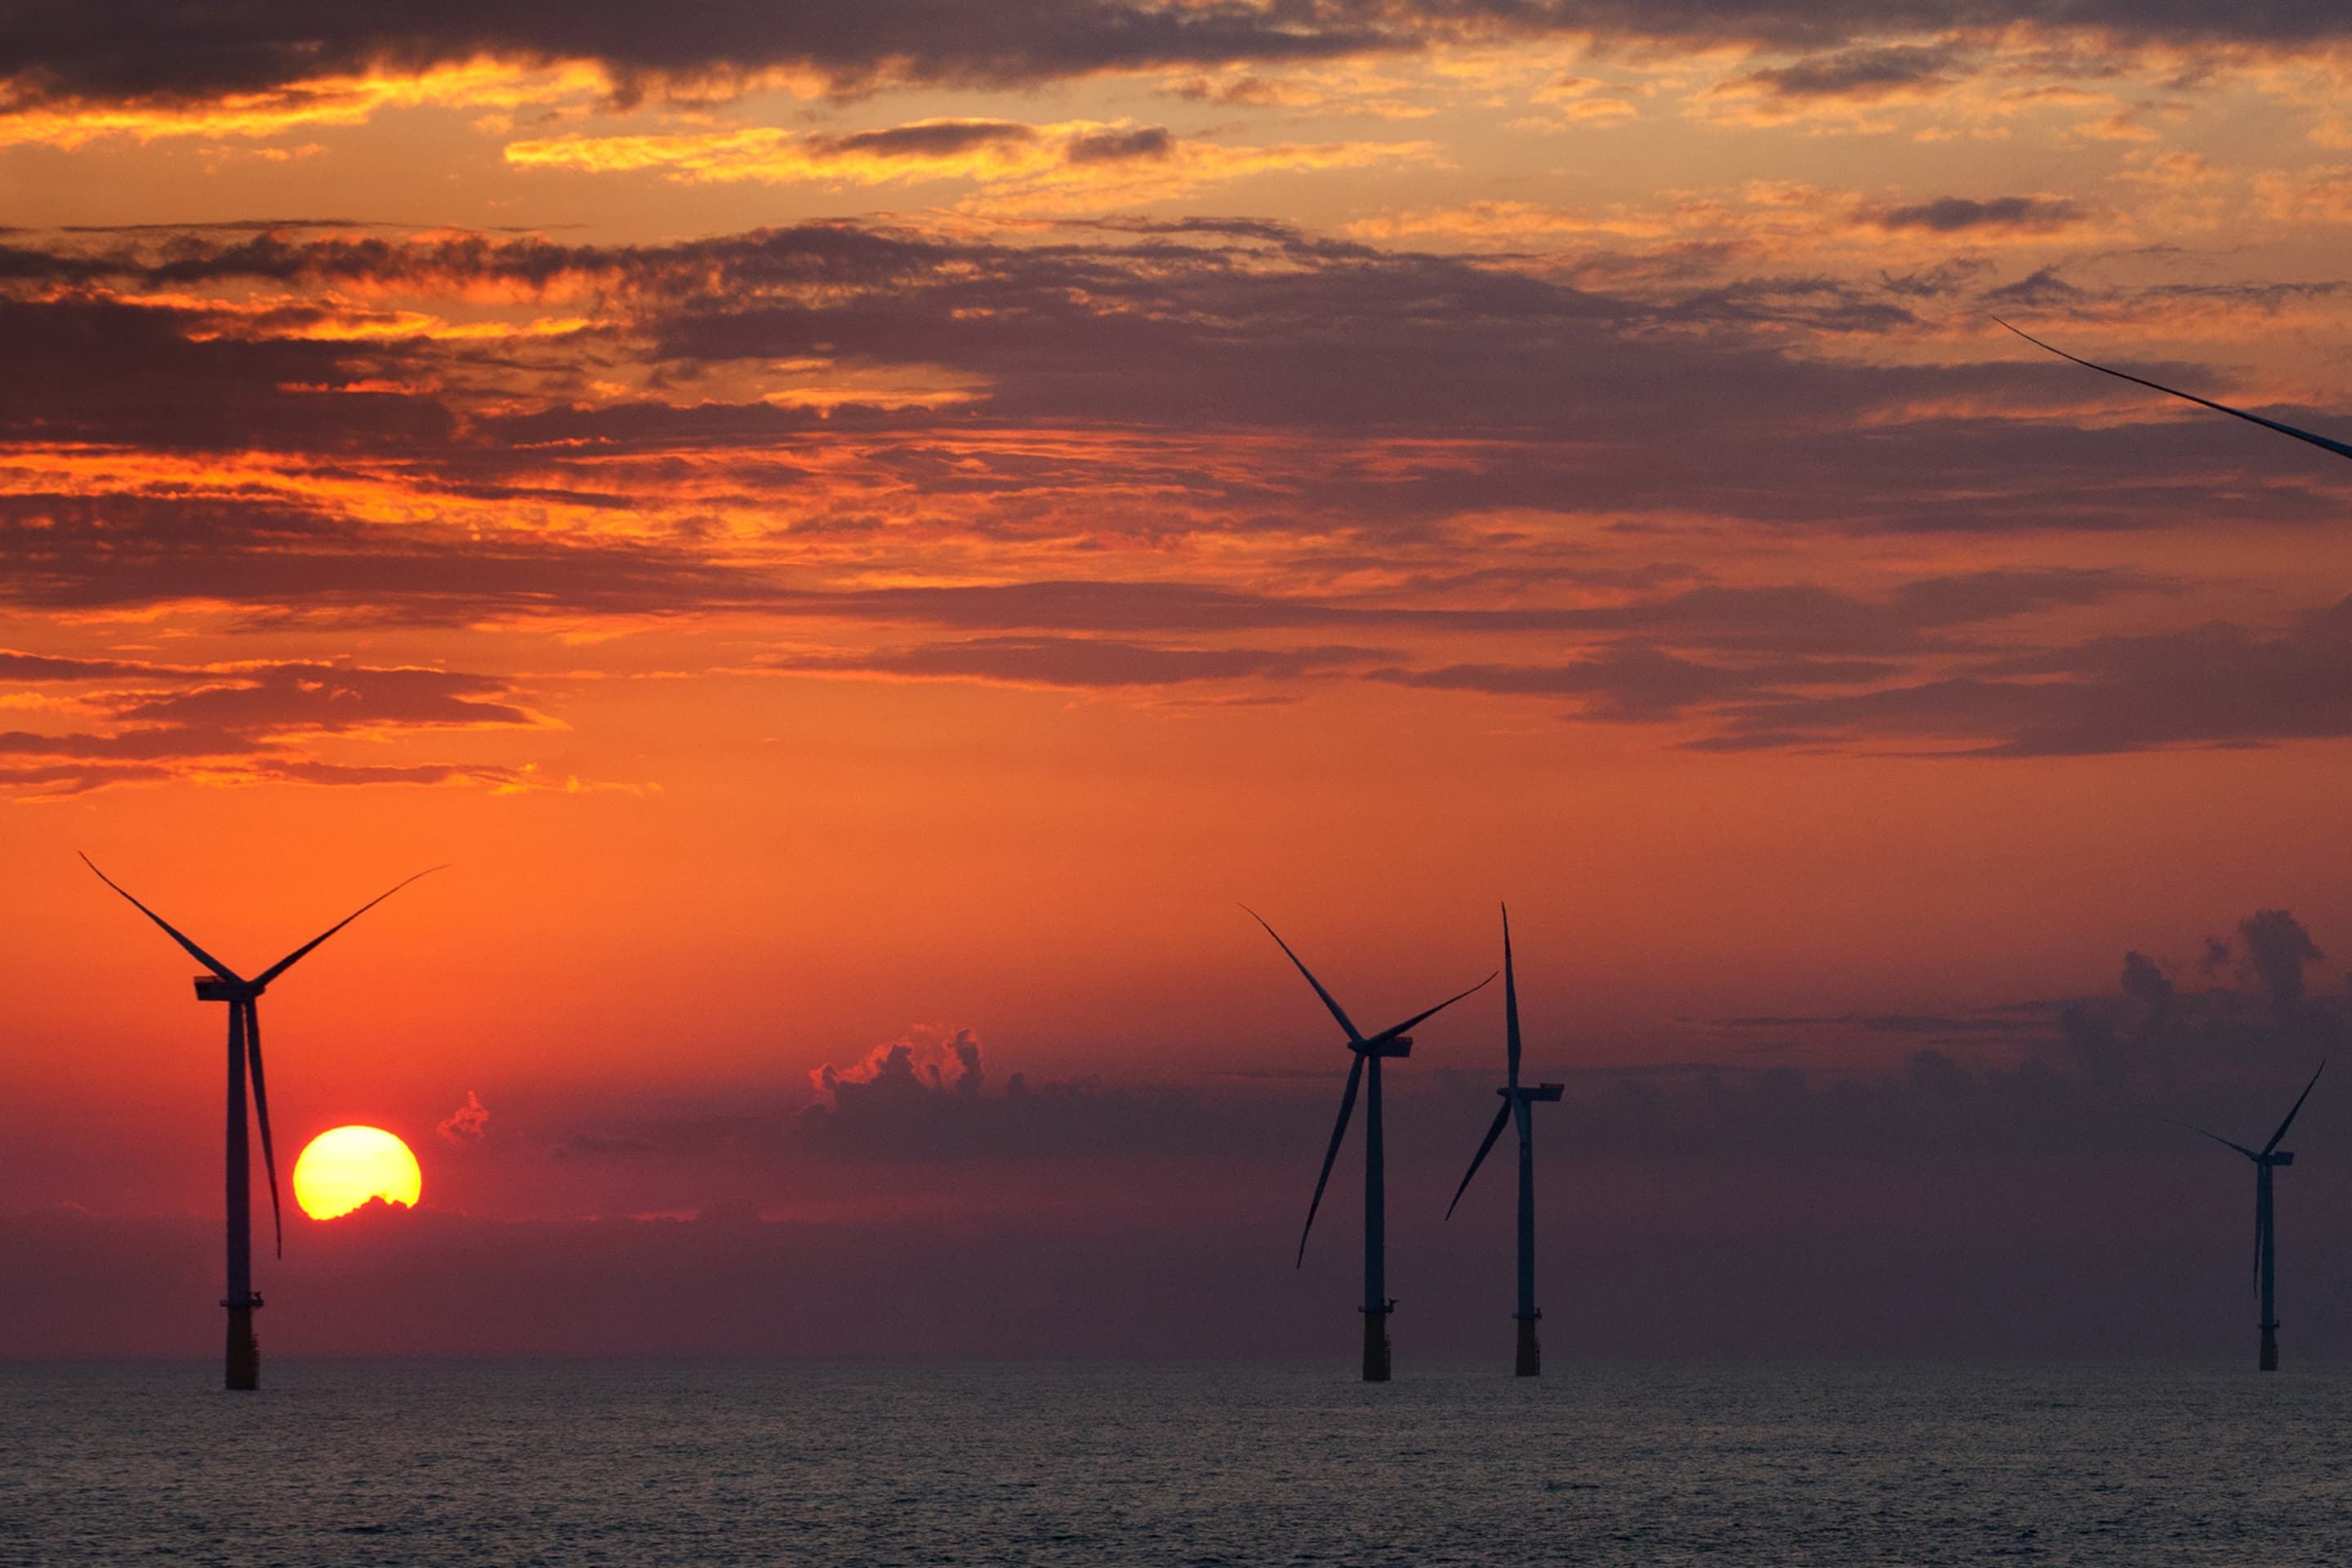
[163,53]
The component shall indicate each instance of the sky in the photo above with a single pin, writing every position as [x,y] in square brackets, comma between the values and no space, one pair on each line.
[860,535]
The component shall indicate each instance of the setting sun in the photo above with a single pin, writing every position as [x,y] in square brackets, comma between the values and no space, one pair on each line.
[344,1167]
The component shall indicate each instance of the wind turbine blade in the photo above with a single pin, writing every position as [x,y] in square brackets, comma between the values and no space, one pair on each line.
[2217,1138]
[261,1114]
[1510,1006]
[2338,448]
[198,953]
[287,963]
[1502,1119]
[2298,1106]
[2260,1238]
[1393,1030]
[1328,1000]
[1339,1130]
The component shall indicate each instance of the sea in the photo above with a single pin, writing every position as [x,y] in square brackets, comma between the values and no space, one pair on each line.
[636,1465]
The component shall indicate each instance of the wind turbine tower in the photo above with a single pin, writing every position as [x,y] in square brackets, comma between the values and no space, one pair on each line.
[1517,1100]
[2269,1159]
[1363,1073]
[222,983]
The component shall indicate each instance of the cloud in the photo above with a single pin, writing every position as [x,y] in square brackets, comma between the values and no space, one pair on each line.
[921,344]
[761,425]
[2320,194]
[2041,288]
[2145,980]
[1868,75]
[61,57]
[280,699]
[1117,145]
[1081,662]
[251,722]
[2164,1034]
[1637,683]
[46,102]
[1918,615]
[923,150]
[275,57]
[926,138]
[2001,216]
[467,1124]
[926,1098]
[1077,165]
[2277,949]
[2215,685]
[1856,89]
[282,554]
[1647,659]
[45,667]
[105,370]
[2158,1033]
[904,1067]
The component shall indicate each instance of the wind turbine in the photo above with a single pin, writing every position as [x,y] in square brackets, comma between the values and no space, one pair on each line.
[2338,448]
[2265,1237]
[1389,1042]
[1515,1107]
[225,985]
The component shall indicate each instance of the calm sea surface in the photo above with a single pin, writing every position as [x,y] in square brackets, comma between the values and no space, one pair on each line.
[639,1464]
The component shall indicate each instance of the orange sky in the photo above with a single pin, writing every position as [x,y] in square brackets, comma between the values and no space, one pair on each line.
[852,535]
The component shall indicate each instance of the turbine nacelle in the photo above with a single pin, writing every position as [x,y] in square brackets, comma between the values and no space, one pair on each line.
[212,988]
[1399,1046]
[2283,1157]
[1532,1093]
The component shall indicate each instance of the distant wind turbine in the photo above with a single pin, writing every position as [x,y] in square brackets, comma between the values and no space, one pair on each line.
[2265,1237]
[1389,1042]
[225,985]
[2340,449]
[1515,1107]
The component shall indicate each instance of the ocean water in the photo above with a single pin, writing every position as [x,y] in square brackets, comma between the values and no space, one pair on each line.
[639,1464]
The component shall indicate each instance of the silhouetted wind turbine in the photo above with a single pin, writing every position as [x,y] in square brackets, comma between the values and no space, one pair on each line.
[1515,1107]
[2265,1238]
[1389,1042]
[225,985]
[2340,449]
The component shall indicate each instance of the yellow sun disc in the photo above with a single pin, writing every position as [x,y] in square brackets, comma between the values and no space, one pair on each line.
[345,1167]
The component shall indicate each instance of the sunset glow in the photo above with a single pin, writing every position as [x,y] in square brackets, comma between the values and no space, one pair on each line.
[863,535]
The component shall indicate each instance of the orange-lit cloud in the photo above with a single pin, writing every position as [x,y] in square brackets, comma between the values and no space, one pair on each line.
[2321,192]
[1079,163]
[302,104]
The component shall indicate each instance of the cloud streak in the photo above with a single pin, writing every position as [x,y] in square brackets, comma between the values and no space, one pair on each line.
[1073,166]
[251,722]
